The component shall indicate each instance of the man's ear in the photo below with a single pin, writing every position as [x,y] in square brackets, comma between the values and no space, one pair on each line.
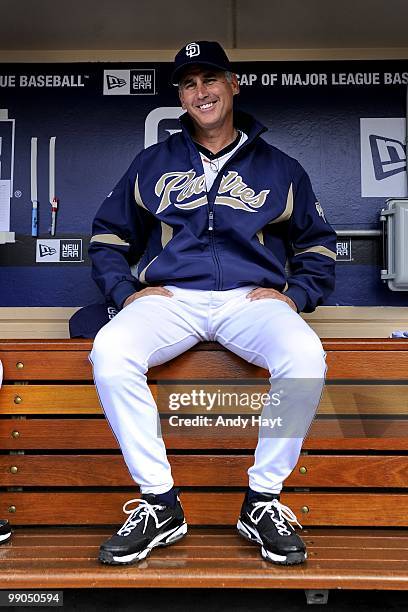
[235,85]
[183,106]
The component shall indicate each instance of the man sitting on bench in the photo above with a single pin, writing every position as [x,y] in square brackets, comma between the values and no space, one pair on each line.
[211,215]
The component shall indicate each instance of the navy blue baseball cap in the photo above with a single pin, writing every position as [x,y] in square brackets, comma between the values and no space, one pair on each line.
[201,52]
[87,321]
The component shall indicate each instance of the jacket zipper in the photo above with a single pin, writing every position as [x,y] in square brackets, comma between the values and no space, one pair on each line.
[212,210]
[213,249]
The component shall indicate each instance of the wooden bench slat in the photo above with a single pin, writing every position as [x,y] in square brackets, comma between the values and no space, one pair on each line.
[223,536]
[82,399]
[157,574]
[367,365]
[212,551]
[75,434]
[346,542]
[347,509]
[335,471]
[81,344]
[61,361]
[198,536]
[49,399]
[46,365]
[74,365]
[392,365]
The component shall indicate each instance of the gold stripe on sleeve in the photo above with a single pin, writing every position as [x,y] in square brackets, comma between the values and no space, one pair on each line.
[260,237]
[287,213]
[109,239]
[142,275]
[317,249]
[138,197]
[166,233]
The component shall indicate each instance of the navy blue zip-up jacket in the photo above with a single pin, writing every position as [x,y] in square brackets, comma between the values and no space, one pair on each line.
[259,214]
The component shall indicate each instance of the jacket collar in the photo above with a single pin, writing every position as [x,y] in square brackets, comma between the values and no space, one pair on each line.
[242,121]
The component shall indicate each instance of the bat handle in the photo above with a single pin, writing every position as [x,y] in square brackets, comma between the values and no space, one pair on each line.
[34,219]
[54,207]
[52,232]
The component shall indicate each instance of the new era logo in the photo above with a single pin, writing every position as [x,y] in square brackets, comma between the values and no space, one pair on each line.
[116,82]
[137,81]
[383,157]
[55,250]
[143,81]
[113,81]
[343,250]
[388,156]
[71,250]
[45,250]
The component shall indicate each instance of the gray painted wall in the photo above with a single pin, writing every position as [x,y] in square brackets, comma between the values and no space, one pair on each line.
[238,24]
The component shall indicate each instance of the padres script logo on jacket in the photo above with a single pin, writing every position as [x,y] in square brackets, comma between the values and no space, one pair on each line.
[187,184]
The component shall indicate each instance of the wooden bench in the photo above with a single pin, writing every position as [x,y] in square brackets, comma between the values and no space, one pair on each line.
[63,480]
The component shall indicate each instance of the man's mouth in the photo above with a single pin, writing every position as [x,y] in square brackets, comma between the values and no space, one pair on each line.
[207,106]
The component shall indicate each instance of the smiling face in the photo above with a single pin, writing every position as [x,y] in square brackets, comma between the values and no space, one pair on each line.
[207,96]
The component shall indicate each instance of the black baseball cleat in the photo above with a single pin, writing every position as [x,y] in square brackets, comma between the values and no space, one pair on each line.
[266,521]
[5,531]
[150,524]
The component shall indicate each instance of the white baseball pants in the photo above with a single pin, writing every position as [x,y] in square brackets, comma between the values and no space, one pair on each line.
[154,329]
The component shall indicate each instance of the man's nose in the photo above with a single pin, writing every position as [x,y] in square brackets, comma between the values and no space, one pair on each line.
[202,91]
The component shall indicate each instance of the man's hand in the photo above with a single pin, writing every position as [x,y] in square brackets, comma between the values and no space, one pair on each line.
[263,292]
[147,291]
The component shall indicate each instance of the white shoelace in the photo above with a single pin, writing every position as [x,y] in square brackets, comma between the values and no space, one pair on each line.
[269,507]
[136,515]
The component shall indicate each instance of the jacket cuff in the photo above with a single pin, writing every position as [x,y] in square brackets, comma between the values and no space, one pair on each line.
[122,290]
[298,295]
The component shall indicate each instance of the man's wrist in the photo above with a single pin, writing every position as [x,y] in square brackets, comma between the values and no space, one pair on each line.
[298,295]
[122,291]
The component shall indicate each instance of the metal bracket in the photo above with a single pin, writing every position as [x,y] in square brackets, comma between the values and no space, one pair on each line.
[317,596]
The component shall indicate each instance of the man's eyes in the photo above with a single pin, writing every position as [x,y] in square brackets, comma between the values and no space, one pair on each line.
[192,85]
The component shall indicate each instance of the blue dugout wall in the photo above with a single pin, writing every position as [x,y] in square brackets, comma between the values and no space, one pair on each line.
[343,120]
